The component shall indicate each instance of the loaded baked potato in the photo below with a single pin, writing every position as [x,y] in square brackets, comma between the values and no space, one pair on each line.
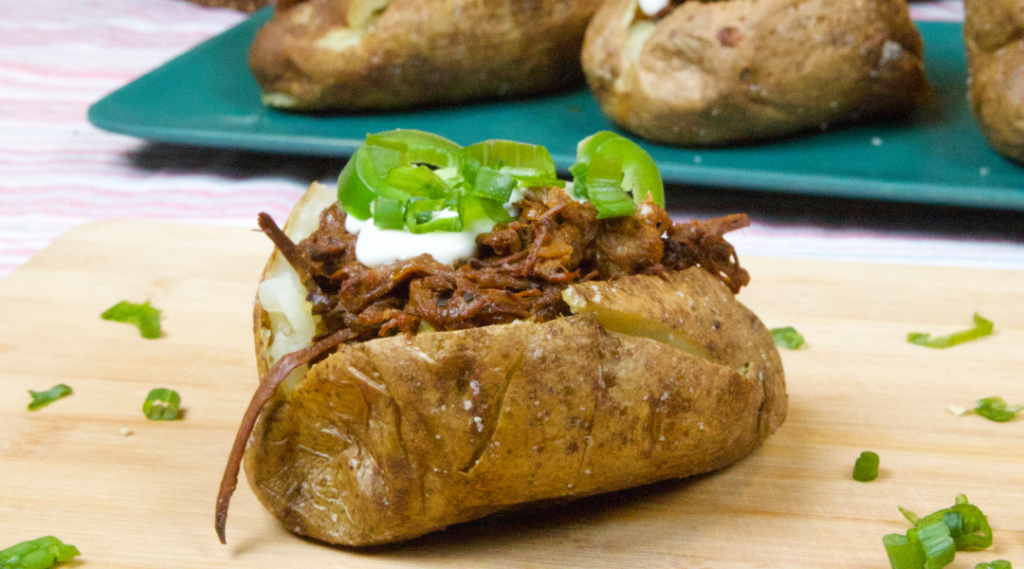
[354,55]
[994,34]
[587,345]
[711,73]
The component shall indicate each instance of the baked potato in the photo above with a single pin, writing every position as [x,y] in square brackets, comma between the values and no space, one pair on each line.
[608,382]
[994,35]
[355,55]
[702,73]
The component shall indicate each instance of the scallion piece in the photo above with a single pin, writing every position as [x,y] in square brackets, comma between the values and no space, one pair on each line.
[938,536]
[939,549]
[866,467]
[787,337]
[610,200]
[425,216]
[996,409]
[493,185]
[388,214]
[515,158]
[982,328]
[41,553]
[904,554]
[997,564]
[417,181]
[44,398]
[162,405]
[144,316]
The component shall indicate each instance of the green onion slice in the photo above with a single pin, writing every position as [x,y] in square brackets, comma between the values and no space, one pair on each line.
[44,398]
[904,554]
[425,216]
[997,564]
[935,538]
[982,328]
[938,546]
[388,214]
[39,553]
[417,181]
[162,405]
[517,159]
[424,147]
[493,185]
[787,337]
[144,316]
[866,467]
[640,175]
[996,409]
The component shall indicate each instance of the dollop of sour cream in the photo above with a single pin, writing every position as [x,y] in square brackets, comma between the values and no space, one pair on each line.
[652,7]
[376,246]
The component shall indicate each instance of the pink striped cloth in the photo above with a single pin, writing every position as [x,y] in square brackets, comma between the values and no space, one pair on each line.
[57,172]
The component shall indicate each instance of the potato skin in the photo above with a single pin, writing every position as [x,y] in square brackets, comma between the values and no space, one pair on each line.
[390,439]
[418,53]
[714,73]
[994,35]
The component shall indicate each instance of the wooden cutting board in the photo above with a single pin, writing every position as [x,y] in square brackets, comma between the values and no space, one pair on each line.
[146,500]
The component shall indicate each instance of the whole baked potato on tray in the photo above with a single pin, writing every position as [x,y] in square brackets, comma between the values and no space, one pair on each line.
[463,333]
[359,55]
[701,73]
[994,35]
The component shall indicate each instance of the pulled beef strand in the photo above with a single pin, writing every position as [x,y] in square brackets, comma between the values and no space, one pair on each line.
[268,386]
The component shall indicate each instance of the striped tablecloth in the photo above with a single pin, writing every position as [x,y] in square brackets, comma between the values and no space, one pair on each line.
[57,57]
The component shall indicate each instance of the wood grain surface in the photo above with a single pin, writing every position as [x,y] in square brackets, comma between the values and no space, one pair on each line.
[146,500]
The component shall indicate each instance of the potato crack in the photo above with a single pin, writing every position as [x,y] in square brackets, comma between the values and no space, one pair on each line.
[492,422]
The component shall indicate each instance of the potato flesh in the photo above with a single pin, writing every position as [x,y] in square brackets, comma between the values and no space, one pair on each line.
[633,325]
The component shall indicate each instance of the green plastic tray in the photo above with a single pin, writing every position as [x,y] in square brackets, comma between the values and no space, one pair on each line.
[208,97]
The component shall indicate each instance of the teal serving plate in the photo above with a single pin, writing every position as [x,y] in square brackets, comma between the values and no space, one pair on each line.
[938,156]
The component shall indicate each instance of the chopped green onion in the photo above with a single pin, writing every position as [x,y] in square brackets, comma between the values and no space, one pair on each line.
[903,554]
[44,398]
[866,467]
[515,158]
[587,147]
[354,195]
[938,536]
[640,175]
[579,173]
[606,168]
[144,316]
[473,210]
[982,328]
[424,147]
[493,185]
[41,553]
[417,181]
[610,200]
[162,405]
[425,216]
[787,337]
[996,409]
[997,564]
[938,546]
[388,214]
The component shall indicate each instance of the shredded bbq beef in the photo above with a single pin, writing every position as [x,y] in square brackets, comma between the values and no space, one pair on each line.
[520,270]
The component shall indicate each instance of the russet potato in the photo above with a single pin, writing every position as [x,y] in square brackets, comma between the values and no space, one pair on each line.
[357,55]
[994,35]
[712,73]
[650,378]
